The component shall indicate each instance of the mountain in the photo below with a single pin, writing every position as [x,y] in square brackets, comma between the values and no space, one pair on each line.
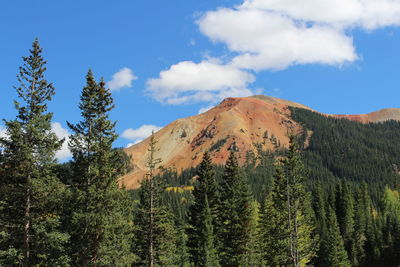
[236,123]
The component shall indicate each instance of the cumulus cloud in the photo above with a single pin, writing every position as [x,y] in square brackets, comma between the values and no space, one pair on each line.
[137,135]
[368,14]
[64,152]
[207,81]
[123,78]
[268,40]
[3,131]
[270,35]
[276,34]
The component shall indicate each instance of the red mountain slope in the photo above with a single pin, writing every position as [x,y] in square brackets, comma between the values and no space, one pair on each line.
[236,123]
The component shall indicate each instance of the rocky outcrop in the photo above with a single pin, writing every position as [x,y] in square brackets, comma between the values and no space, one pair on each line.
[235,124]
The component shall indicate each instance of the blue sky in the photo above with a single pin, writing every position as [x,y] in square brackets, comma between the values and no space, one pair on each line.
[171,59]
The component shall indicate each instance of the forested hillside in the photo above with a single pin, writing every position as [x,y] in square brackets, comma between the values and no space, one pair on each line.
[345,149]
[352,175]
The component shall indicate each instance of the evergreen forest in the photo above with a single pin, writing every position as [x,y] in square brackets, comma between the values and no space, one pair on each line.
[332,198]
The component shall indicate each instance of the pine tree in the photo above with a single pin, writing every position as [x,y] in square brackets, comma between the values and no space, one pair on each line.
[30,194]
[336,255]
[100,223]
[274,227]
[319,206]
[234,227]
[155,231]
[300,216]
[182,256]
[254,256]
[359,234]
[207,253]
[372,243]
[345,217]
[288,209]
[202,217]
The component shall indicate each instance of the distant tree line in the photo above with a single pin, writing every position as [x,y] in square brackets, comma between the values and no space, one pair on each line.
[331,199]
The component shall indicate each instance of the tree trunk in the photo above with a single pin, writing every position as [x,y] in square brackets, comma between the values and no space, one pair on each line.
[296,238]
[27,223]
[289,211]
[151,221]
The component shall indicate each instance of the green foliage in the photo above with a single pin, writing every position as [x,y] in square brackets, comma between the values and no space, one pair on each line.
[260,167]
[340,148]
[217,145]
[203,215]
[300,214]
[359,153]
[155,233]
[361,218]
[288,224]
[333,245]
[345,217]
[234,216]
[274,227]
[346,194]
[30,194]
[254,254]
[99,221]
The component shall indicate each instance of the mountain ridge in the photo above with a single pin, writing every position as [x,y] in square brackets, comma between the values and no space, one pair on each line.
[235,123]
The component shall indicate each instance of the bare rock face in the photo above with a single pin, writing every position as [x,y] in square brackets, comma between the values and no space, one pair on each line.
[236,123]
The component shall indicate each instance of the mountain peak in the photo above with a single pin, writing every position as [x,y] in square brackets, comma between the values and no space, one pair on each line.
[236,123]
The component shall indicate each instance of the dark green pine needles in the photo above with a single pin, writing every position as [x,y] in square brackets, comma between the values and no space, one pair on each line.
[99,220]
[30,194]
[335,253]
[203,214]
[235,209]
[287,225]
[155,231]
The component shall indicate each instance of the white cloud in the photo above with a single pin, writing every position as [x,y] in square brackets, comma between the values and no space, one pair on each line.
[270,35]
[276,34]
[64,152]
[268,40]
[207,81]
[137,135]
[3,131]
[123,78]
[368,14]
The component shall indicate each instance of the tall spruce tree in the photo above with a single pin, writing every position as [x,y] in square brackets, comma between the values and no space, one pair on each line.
[155,231]
[100,222]
[335,253]
[372,244]
[30,194]
[202,217]
[274,227]
[234,228]
[345,217]
[288,209]
[359,234]
[300,215]
[254,255]
[319,204]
